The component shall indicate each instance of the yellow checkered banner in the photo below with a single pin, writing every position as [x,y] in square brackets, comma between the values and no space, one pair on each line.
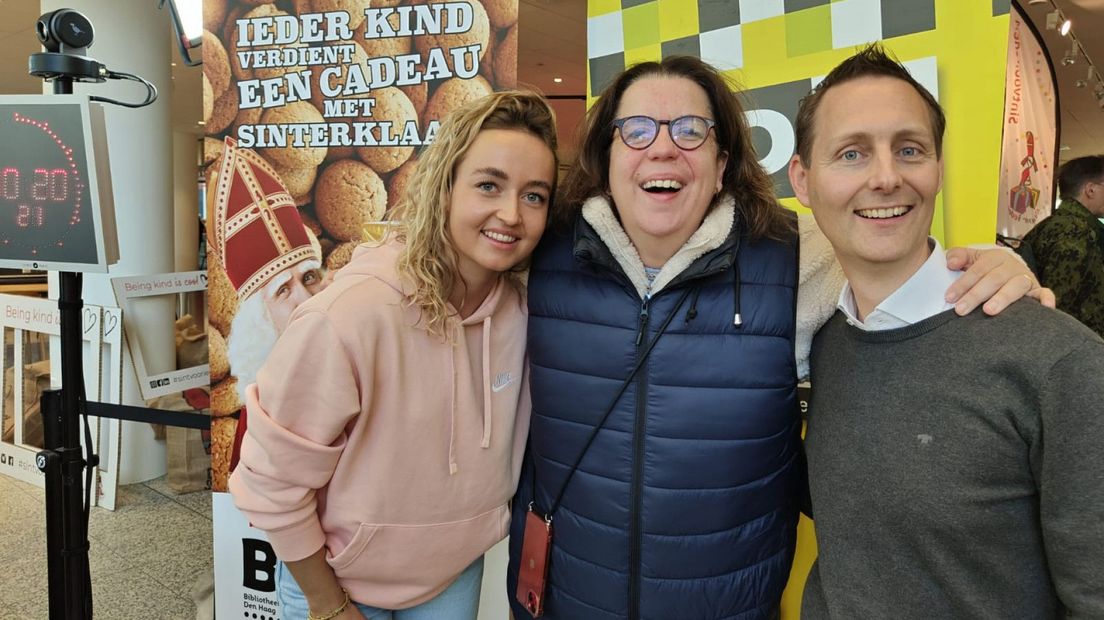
[778,49]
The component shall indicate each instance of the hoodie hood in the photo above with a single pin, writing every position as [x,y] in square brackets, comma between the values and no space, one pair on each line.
[377,260]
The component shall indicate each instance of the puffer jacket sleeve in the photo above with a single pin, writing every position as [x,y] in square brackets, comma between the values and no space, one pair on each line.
[820,280]
[306,394]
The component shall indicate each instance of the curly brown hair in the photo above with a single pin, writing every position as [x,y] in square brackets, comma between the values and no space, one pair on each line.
[428,258]
[743,178]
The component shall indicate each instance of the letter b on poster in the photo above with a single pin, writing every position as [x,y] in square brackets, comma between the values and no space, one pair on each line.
[244,558]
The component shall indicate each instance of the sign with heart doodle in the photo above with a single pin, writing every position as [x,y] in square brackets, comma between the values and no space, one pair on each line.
[91,318]
[111,321]
[130,288]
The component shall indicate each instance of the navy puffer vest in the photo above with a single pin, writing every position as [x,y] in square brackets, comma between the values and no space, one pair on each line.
[685,505]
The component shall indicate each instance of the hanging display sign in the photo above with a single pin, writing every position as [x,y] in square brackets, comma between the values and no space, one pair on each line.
[327,104]
[1028,153]
[27,322]
[127,289]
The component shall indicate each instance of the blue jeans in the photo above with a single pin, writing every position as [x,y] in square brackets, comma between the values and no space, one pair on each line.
[459,601]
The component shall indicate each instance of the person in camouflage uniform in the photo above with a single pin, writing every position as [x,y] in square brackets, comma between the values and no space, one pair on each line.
[1069,245]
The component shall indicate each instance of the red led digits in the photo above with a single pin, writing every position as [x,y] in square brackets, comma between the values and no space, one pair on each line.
[31,190]
[33,215]
[9,183]
[59,190]
[41,185]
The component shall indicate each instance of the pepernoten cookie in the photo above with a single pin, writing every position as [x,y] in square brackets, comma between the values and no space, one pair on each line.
[505,60]
[355,8]
[310,220]
[216,64]
[263,72]
[418,94]
[222,448]
[223,112]
[347,194]
[216,353]
[234,12]
[298,181]
[248,116]
[502,13]
[478,34]
[292,156]
[382,46]
[391,105]
[214,14]
[396,185]
[222,299]
[453,94]
[224,397]
[212,150]
[340,255]
[208,99]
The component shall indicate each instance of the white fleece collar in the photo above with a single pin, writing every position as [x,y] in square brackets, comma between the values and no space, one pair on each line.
[713,231]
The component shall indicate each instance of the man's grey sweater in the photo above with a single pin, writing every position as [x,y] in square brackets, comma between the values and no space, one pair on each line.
[957,468]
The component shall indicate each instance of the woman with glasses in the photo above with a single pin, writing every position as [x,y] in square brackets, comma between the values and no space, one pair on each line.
[665,452]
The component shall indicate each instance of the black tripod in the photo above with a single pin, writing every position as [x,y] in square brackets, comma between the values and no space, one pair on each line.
[67,34]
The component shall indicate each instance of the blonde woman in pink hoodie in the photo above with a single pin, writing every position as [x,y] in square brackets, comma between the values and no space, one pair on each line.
[386,429]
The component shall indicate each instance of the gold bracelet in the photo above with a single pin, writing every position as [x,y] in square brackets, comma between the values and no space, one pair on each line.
[333,614]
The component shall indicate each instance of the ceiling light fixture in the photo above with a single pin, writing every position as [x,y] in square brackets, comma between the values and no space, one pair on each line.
[1052,20]
[557,80]
[1089,76]
[1071,56]
[1066,25]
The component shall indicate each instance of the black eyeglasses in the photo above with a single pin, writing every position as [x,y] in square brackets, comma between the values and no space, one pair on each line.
[687,132]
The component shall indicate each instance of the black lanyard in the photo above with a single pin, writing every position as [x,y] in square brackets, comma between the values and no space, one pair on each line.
[609,410]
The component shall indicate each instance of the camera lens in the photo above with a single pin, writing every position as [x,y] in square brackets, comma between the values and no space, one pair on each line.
[40,30]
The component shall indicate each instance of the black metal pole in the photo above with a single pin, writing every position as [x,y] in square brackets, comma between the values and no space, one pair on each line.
[70,586]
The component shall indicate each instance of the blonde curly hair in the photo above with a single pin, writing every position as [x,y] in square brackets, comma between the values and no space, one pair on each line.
[428,259]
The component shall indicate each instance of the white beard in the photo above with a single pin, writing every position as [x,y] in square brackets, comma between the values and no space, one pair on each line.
[252,336]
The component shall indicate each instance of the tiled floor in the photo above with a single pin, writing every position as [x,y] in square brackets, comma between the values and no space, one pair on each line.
[145,557]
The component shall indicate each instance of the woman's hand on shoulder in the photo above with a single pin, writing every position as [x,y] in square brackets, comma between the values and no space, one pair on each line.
[995,277]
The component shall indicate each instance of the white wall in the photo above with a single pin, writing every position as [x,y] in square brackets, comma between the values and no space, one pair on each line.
[132,36]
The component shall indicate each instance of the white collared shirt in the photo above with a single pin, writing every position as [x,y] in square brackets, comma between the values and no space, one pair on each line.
[920,297]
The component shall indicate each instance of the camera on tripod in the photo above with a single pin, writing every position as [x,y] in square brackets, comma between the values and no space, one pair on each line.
[65,31]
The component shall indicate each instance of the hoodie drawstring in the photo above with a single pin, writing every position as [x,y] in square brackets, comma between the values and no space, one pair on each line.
[486,443]
[453,467]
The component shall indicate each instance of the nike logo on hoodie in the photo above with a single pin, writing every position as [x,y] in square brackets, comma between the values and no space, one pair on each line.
[502,380]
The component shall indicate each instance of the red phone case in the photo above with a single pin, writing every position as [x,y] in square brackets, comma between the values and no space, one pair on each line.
[535,548]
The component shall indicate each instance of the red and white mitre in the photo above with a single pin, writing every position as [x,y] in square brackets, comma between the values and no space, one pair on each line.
[258,231]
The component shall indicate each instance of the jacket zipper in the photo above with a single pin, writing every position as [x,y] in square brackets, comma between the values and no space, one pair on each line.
[639,428]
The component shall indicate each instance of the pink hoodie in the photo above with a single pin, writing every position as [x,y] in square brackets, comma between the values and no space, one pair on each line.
[390,447]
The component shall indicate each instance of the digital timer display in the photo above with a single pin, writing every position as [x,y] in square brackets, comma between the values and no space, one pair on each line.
[44,191]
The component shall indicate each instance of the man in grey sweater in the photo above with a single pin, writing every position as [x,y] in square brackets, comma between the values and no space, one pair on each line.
[956,464]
